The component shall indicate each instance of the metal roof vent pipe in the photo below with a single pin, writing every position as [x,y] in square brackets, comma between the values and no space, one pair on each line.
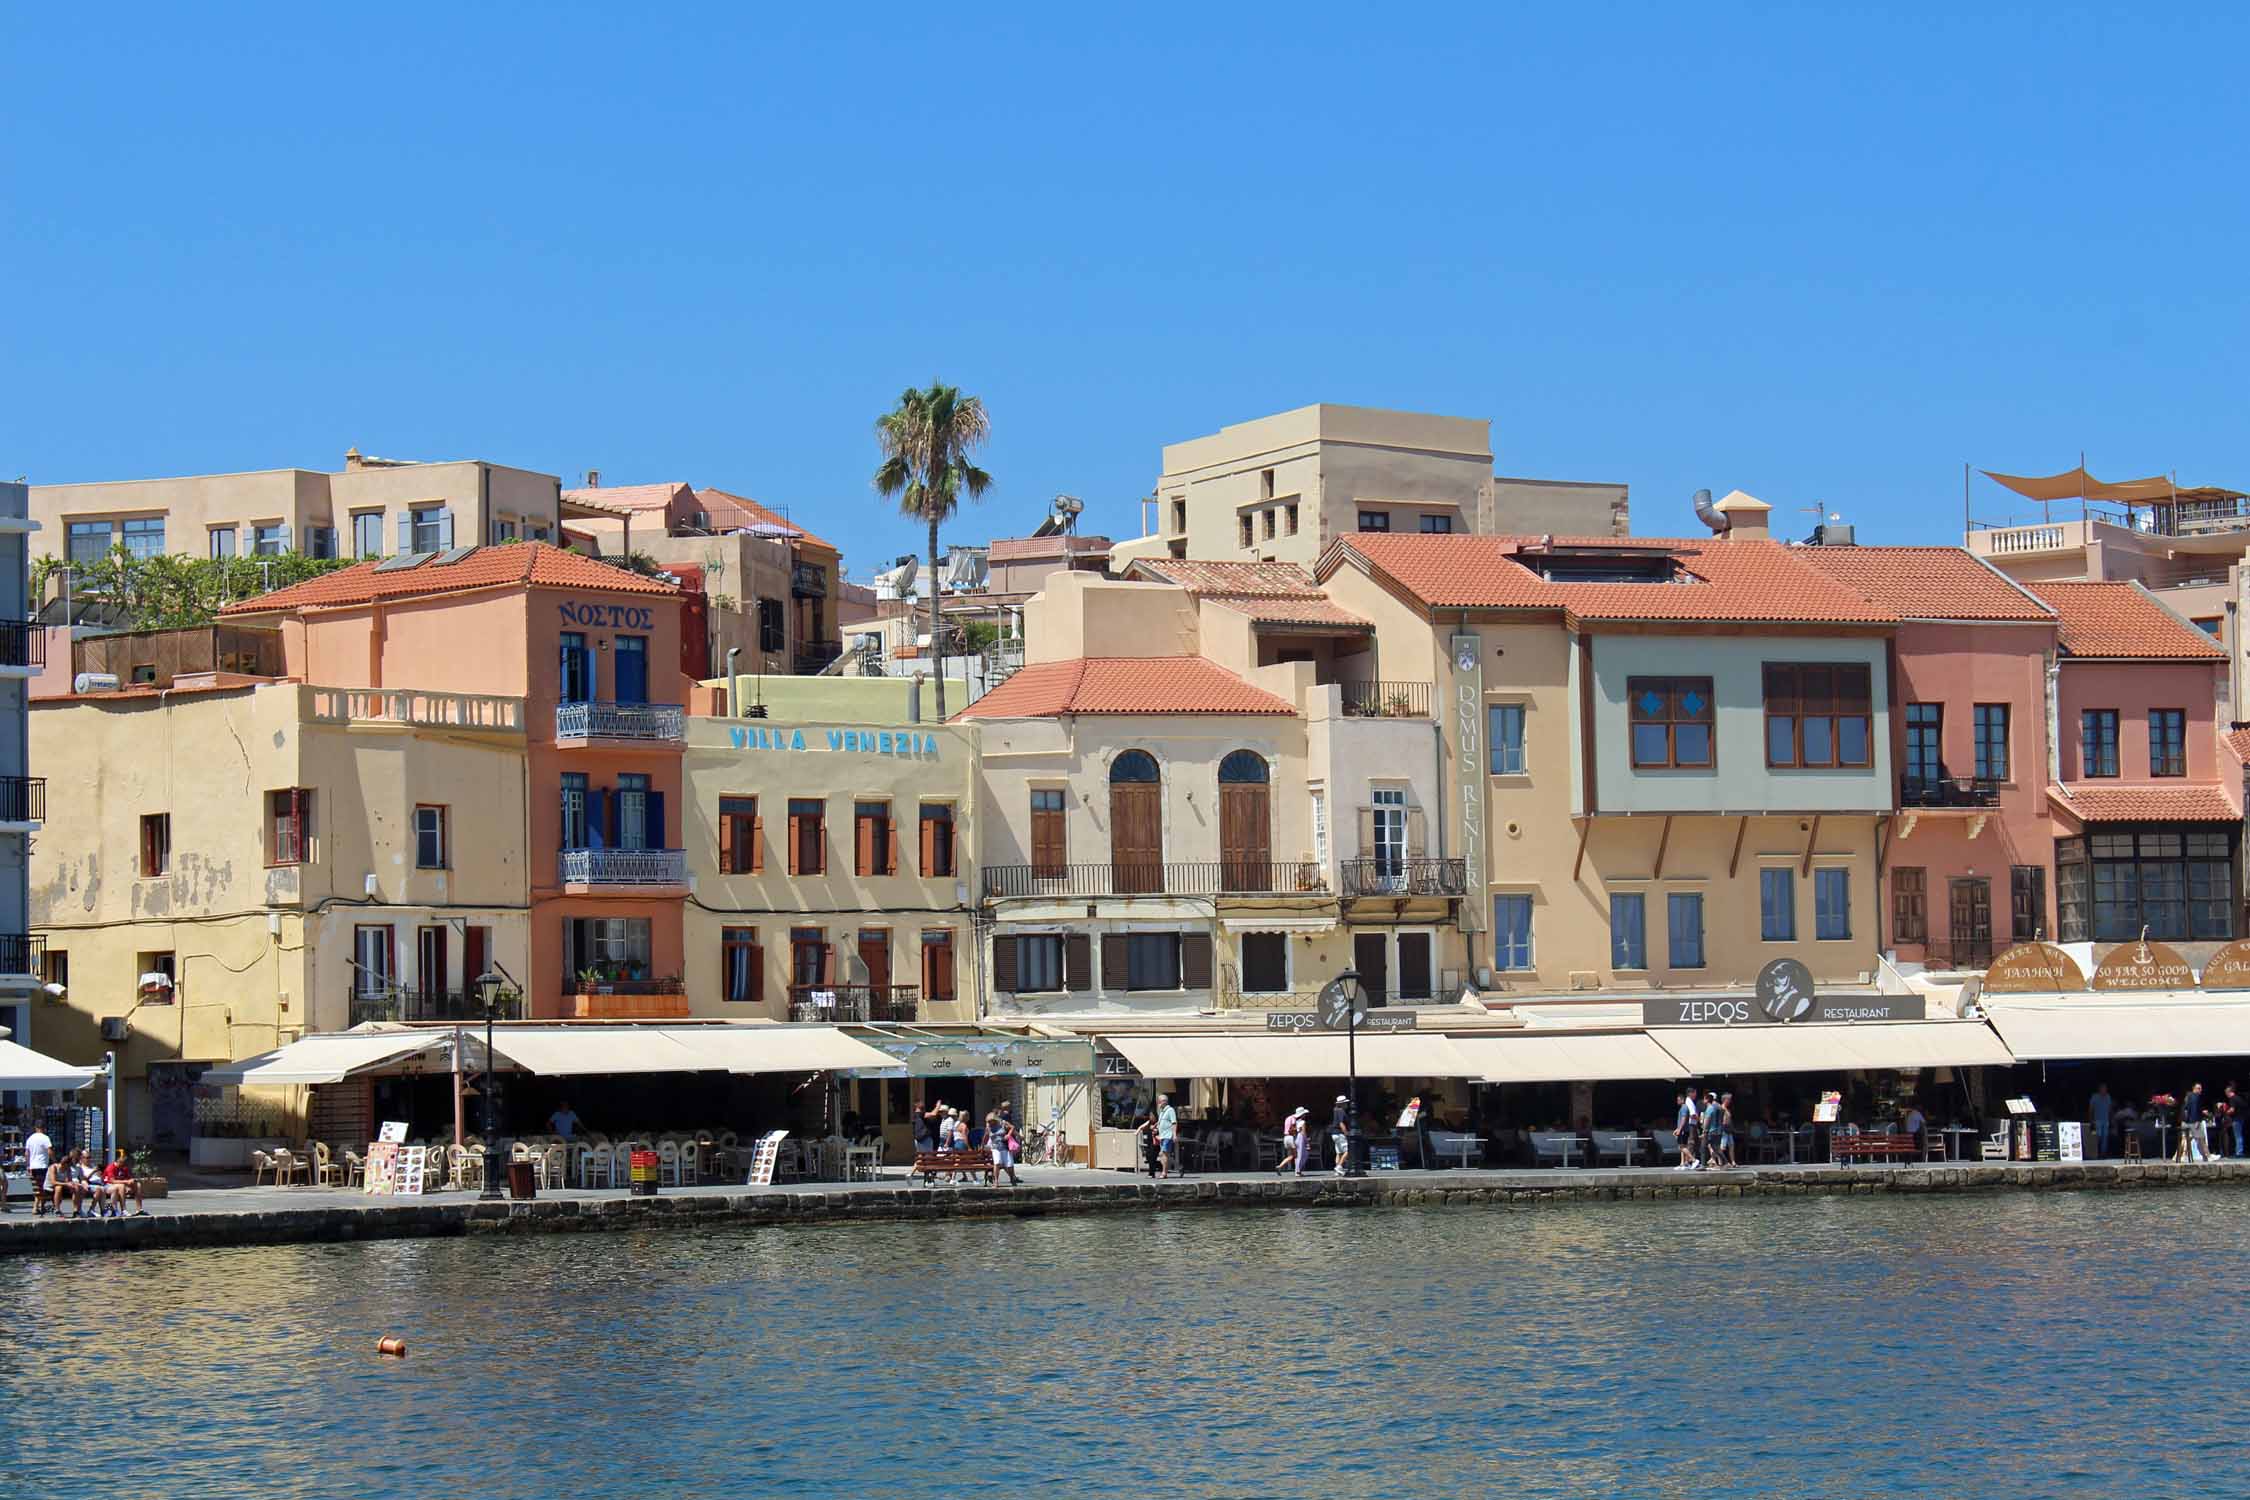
[1708,514]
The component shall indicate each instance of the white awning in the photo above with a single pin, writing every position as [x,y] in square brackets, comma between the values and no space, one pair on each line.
[561,1051]
[329,1058]
[778,1049]
[1553,1056]
[2165,1023]
[1708,1050]
[1275,1055]
[22,1068]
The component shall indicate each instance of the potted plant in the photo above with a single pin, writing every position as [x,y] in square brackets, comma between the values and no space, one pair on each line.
[143,1162]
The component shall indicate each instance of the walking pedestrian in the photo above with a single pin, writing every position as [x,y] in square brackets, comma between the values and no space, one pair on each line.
[1293,1141]
[1726,1129]
[1708,1136]
[1000,1140]
[2195,1130]
[2235,1105]
[1340,1132]
[2103,1110]
[1683,1130]
[1167,1138]
[38,1155]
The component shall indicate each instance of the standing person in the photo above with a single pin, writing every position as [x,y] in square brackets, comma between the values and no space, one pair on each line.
[2102,1110]
[1340,1132]
[1708,1136]
[2195,1131]
[1726,1129]
[1918,1126]
[38,1155]
[1167,1138]
[1683,1130]
[1000,1140]
[564,1121]
[2234,1104]
[933,1126]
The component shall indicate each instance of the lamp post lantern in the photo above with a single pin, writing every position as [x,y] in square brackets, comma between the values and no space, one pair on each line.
[489,985]
[1342,1006]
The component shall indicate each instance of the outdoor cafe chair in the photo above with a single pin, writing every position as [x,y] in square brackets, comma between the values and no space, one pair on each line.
[554,1165]
[583,1158]
[260,1165]
[1667,1145]
[287,1166]
[355,1168]
[668,1162]
[325,1166]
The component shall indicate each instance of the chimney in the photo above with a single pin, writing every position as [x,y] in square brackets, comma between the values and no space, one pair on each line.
[1746,516]
[593,479]
[352,460]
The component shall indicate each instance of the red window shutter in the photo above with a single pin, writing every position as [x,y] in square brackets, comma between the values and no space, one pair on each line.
[796,843]
[890,850]
[929,847]
[864,843]
[757,846]
[726,844]
[1078,961]
[757,974]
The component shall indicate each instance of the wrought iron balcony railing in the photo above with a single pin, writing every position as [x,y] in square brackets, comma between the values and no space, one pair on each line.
[22,953]
[813,657]
[430,1005]
[580,983]
[807,582]
[623,866]
[23,799]
[1405,877]
[854,1002]
[621,721]
[23,643]
[1947,791]
[1386,700]
[1129,878]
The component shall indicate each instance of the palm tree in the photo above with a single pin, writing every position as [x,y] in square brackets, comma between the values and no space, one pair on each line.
[926,441]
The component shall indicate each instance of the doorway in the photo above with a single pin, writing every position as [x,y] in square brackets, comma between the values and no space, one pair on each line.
[1136,829]
[1371,956]
[1245,823]
[1971,920]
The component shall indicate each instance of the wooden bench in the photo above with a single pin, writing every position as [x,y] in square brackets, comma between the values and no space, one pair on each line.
[1870,1145]
[931,1165]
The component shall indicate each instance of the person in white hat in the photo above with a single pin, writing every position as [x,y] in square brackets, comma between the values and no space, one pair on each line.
[1296,1142]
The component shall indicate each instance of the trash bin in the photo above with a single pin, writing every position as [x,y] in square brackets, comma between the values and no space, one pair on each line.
[523,1179]
[643,1165]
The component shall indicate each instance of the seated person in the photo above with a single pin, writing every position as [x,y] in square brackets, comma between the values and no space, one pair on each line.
[118,1180]
[60,1184]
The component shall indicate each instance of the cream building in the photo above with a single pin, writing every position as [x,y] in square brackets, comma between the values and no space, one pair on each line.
[372,507]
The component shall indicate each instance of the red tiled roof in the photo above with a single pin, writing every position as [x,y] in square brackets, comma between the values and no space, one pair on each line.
[1251,580]
[2120,620]
[1123,685]
[2191,803]
[727,509]
[630,496]
[2238,745]
[1739,580]
[1291,611]
[486,567]
[1927,583]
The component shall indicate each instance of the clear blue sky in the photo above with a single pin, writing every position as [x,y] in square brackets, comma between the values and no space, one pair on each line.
[1819,257]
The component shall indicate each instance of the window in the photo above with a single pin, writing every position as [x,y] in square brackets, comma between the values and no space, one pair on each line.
[630,669]
[429,530]
[1818,714]
[634,830]
[1832,905]
[2179,885]
[1389,819]
[1265,963]
[1049,850]
[1992,741]
[1249,538]
[1672,722]
[741,965]
[1179,515]
[156,843]
[1374,520]
[1292,510]
[937,840]
[430,960]
[54,968]
[320,541]
[536,531]
[874,839]
[2027,903]
[269,541]
[1152,960]
[2097,742]
[367,533]
[1039,964]
[2167,742]
[1320,826]
[1504,735]
[144,536]
[222,542]
[1777,906]
[808,836]
[1437,525]
[741,837]
[937,964]
[1270,519]
[1683,928]
[88,541]
[577,684]
[1628,930]
[1910,905]
[1925,741]
[574,810]
[429,837]
[770,633]
[2209,626]
[1265,484]
[1511,932]
[288,826]
[374,954]
[503,529]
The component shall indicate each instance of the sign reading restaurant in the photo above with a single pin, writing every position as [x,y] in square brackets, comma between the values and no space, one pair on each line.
[1744,1010]
[908,742]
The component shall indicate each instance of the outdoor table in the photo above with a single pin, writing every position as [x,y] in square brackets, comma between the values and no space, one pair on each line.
[1957,1139]
[1568,1149]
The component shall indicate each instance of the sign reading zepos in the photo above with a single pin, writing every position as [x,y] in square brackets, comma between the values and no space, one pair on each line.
[1308,1021]
[1744,1010]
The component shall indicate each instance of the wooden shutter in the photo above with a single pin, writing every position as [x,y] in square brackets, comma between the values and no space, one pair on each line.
[1004,964]
[1367,833]
[1078,962]
[863,828]
[1417,833]
[757,974]
[1114,970]
[890,847]
[827,963]
[757,846]
[726,841]
[1195,960]
[929,845]
[796,842]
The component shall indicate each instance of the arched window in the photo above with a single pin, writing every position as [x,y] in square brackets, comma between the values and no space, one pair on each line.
[1244,767]
[1133,766]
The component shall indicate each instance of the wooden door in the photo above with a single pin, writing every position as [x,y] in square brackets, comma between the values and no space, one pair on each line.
[1050,849]
[1371,955]
[1414,976]
[1246,836]
[1136,836]
[1971,934]
[476,956]
[875,954]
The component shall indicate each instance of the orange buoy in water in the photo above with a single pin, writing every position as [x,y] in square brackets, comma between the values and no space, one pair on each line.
[393,1347]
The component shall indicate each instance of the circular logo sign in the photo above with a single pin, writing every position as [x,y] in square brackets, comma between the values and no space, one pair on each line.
[1785,990]
[1342,1003]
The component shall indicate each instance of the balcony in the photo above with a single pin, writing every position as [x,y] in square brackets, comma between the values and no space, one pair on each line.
[1965,792]
[430,1005]
[1405,877]
[23,799]
[1956,954]
[588,997]
[813,657]
[479,713]
[627,867]
[22,956]
[807,582]
[1211,878]
[23,645]
[1386,700]
[854,1002]
[644,723]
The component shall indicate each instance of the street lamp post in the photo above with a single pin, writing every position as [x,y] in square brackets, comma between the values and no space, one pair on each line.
[489,986]
[1343,1004]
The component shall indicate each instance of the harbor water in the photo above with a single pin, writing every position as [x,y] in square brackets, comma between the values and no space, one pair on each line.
[2003,1344]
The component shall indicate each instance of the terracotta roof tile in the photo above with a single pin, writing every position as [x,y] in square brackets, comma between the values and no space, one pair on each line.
[1927,583]
[2189,803]
[1266,580]
[486,567]
[1123,685]
[728,509]
[1740,580]
[631,496]
[1291,611]
[2120,620]
[2238,745]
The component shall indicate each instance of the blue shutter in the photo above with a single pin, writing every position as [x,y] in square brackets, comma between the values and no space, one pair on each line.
[405,531]
[445,531]
[653,818]
[566,683]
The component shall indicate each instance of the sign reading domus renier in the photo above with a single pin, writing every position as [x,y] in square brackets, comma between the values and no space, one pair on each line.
[2143,966]
[2033,969]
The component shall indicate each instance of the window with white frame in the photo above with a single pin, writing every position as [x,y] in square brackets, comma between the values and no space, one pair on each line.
[1039,963]
[429,837]
[1320,826]
[1511,932]
[1504,734]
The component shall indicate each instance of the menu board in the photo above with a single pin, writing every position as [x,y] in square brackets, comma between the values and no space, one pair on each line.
[762,1160]
[382,1168]
[2070,1135]
[1830,1106]
[2047,1144]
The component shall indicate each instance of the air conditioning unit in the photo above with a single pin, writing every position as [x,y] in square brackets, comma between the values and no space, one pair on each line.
[94,682]
[114,1029]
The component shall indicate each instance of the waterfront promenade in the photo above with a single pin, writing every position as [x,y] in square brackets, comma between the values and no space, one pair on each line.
[285,1215]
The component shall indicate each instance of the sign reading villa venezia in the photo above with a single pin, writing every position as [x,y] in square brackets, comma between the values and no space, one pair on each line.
[840,741]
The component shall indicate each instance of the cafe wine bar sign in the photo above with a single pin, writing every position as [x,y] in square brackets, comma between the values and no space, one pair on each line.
[2033,969]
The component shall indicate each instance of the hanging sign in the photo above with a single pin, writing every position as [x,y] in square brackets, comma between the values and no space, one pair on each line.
[1307,1022]
[2229,968]
[2034,969]
[2143,966]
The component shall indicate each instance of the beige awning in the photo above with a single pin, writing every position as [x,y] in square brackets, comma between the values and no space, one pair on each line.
[1711,1050]
[2161,1023]
[328,1058]
[22,1068]
[562,1051]
[777,1049]
[1553,1056]
[2077,484]
[1275,1055]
